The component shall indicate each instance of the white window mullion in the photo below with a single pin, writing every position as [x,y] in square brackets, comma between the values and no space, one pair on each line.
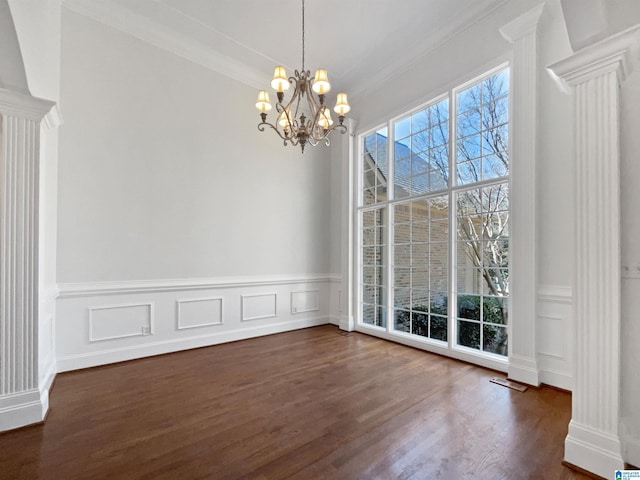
[451,311]
[389,231]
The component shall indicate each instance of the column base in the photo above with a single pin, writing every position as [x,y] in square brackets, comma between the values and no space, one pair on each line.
[524,370]
[28,407]
[594,451]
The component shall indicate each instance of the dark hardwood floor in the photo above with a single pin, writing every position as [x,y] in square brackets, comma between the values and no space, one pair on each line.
[308,404]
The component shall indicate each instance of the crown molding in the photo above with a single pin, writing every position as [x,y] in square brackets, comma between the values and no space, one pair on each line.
[53,119]
[116,16]
[523,25]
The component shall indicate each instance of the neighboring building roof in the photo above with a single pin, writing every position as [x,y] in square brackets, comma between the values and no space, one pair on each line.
[403,178]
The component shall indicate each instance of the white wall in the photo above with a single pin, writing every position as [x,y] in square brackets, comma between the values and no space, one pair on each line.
[37,24]
[630,243]
[164,180]
[12,71]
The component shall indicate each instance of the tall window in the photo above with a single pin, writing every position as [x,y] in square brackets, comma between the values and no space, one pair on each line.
[374,240]
[434,218]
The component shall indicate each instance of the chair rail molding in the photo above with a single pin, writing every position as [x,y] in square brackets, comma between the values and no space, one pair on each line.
[522,33]
[593,75]
[24,379]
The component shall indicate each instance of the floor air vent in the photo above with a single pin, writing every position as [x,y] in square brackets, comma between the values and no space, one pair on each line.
[506,383]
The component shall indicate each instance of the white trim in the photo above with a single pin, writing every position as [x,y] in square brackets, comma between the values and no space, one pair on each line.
[53,119]
[592,450]
[295,311]
[24,106]
[259,317]
[522,26]
[616,53]
[23,408]
[524,370]
[71,290]
[557,318]
[348,323]
[103,357]
[47,296]
[193,300]
[115,306]
[556,378]
[143,28]
[27,407]
[554,293]
[522,32]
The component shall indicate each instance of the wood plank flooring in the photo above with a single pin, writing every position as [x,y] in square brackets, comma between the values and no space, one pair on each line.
[307,404]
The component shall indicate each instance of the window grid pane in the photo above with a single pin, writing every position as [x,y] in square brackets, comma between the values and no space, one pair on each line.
[420,274]
[373,250]
[482,130]
[421,160]
[482,268]
[374,168]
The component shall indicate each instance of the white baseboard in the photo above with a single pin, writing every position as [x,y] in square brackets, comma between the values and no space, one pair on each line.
[524,370]
[334,320]
[556,378]
[347,323]
[24,408]
[592,450]
[103,357]
[29,407]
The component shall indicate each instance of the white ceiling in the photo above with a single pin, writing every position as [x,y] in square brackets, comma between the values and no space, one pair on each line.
[360,42]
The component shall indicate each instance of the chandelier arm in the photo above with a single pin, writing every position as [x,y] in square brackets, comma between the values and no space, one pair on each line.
[286,138]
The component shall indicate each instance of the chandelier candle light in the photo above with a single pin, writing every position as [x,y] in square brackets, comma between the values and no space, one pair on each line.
[304,118]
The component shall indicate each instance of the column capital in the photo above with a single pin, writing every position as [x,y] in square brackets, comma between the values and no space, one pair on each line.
[23,106]
[617,53]
[525,24]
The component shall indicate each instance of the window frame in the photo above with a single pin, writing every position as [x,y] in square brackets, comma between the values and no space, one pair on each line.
[450,347]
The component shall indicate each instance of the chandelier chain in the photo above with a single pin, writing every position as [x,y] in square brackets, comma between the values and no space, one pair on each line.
[303,35]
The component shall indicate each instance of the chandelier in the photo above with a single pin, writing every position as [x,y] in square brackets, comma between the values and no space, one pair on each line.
[304,118]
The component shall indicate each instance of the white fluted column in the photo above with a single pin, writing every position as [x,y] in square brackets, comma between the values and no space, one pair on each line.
[522,32]
[594,75]
[21,401]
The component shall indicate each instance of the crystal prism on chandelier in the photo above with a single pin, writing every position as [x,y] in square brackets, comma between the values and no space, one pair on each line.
[304,118]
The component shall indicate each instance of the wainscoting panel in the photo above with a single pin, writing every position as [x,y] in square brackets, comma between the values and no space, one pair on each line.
[259,306]
[104,323]
[305,301]
[111,322]
[198,312]
[554,336]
